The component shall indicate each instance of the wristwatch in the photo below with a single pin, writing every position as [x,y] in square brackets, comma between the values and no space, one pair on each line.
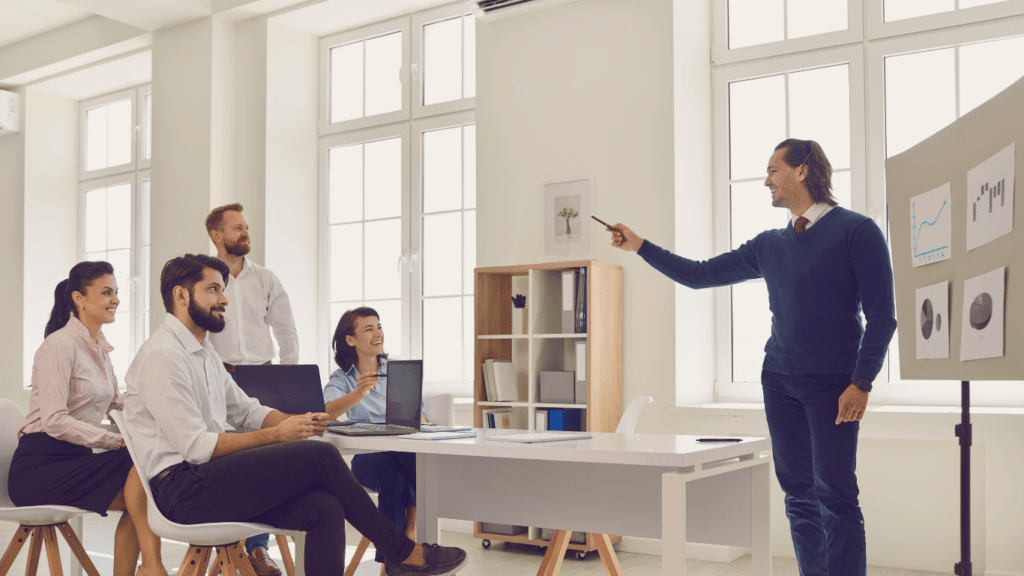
[863,384]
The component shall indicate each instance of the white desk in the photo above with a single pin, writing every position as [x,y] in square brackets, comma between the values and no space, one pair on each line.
[647,485]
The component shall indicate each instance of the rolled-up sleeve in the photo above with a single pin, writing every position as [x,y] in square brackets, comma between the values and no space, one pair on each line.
[338,386]
[167,394]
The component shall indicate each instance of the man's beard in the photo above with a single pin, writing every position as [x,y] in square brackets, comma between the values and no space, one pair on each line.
[237,248]
[205,319]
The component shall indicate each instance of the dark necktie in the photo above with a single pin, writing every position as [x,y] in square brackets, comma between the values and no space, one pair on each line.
[800,223]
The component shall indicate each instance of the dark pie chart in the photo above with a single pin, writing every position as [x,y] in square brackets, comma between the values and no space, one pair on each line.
[927,318]
[981,311]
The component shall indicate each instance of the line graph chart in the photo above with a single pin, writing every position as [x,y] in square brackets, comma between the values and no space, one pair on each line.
[931,226]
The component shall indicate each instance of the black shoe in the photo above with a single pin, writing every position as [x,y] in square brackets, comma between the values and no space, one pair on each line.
[439,561]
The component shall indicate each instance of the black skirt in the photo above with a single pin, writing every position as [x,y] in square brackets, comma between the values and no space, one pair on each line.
[47,471]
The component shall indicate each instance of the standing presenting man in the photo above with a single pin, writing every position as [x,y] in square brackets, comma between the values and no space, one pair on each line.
[258,303]
[821,272]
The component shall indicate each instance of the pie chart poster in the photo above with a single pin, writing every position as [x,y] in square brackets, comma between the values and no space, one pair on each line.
[947,157]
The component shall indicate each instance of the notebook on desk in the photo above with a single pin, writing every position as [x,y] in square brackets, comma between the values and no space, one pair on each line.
[404,397]
[531,437]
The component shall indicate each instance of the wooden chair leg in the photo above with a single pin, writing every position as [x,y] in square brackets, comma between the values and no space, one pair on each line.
[608,557]
[13,548]
[286,554]
[34,550]
[357,557]
[52,551]
[77,549]
[239,559]
[195,560]
[552,562]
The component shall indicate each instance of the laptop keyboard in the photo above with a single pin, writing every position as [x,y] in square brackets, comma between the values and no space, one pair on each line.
[367,426]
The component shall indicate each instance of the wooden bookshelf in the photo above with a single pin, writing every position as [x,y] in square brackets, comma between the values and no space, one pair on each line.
[544,347]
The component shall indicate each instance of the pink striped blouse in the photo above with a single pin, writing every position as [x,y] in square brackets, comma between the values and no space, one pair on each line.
[73,386]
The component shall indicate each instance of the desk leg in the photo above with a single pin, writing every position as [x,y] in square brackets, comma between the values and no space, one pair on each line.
[427,528]
[300,554]
[760,537]
[673,524]
[76,525]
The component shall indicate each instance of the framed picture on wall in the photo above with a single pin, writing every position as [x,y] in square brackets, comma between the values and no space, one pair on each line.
[568,205]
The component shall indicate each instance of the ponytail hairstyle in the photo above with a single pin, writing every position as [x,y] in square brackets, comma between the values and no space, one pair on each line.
[344,354]
[82,276]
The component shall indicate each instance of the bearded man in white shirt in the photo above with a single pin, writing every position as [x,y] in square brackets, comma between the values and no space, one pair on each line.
[258,304]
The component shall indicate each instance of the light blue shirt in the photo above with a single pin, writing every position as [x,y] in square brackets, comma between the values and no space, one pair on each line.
[373,407]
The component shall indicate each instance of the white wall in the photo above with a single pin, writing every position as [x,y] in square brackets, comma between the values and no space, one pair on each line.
[51,209]
[12,228]
[578,90]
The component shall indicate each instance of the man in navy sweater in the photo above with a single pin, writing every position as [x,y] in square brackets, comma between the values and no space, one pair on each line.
[822,271]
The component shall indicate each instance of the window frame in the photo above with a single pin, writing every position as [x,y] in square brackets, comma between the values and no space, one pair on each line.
[722,54]
[878,29]
[351,36]
[419,127]
[83,107]
[144,129]
[425,18]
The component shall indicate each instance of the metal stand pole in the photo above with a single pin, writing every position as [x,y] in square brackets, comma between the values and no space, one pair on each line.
[963,431]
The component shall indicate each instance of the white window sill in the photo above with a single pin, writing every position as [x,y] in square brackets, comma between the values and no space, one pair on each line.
[879,412]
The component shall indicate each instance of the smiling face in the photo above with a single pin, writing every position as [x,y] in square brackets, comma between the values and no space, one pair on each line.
[786,183]
[367,338]
[233,234]
[204,303]
[99,303]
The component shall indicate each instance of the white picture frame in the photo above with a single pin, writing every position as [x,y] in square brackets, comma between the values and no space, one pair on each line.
[567,236]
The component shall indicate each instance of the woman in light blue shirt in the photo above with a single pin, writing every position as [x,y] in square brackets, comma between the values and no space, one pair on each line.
[356,389]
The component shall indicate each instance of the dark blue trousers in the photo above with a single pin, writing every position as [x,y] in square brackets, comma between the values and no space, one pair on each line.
[392,475]
[815,462]
[259,540]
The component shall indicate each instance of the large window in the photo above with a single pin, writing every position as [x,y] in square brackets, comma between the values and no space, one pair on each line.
[114,186]
[862,106]
[398,179]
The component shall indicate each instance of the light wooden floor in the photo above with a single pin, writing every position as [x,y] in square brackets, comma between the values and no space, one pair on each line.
[499,560]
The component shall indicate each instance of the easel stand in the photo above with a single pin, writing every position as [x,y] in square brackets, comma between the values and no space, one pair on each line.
[963,431]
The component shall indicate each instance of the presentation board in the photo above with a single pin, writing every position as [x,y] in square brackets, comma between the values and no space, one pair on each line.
[957,237]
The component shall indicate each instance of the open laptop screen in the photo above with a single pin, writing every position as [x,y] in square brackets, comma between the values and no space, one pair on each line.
[405,392]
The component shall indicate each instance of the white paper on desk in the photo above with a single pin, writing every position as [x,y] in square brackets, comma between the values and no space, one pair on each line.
[990,198]
[931,231]
[933,321]
[981,334]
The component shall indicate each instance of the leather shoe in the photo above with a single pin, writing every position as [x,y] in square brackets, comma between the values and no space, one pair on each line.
[262,563]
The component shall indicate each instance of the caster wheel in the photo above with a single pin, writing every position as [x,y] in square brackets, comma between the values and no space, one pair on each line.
[486,543]
[581,555]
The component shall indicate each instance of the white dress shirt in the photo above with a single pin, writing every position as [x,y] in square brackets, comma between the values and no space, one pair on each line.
[813,214]
[180,398]
[257,302]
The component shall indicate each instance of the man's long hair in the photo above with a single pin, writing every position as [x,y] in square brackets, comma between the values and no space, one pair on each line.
[819,170]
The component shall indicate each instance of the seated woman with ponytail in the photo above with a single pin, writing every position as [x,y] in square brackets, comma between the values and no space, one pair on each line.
[73,386]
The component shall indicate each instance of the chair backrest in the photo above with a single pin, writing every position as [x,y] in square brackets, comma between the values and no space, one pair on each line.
[156,518]
[11,419]
[441,409]
[631,414]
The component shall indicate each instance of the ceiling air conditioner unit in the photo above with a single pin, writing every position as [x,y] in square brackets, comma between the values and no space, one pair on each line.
[491,10]
[10,112]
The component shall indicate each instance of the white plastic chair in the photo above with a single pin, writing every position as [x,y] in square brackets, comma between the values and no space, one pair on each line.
[441,409]
[223,537]
[559,541]
[40,523]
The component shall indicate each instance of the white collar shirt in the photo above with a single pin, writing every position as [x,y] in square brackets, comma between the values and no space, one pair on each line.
[813,214]
[257,303]
[180,398]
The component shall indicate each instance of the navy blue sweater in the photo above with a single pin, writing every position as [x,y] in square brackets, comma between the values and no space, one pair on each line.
[819,282]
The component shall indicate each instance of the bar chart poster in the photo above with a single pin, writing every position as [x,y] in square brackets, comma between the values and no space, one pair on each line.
[990,198]
[931,228]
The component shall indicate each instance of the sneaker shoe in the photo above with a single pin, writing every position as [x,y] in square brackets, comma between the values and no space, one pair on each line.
[439,561]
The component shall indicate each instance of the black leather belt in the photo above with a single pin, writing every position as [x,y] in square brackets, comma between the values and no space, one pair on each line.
[161,475]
